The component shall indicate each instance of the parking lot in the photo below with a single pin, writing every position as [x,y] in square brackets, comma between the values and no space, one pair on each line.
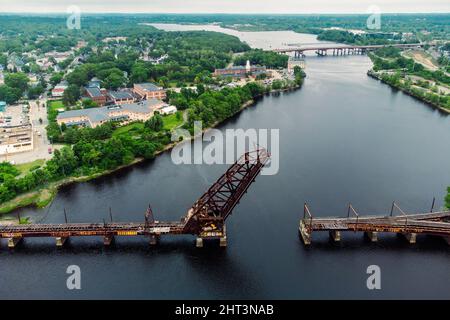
[38,117]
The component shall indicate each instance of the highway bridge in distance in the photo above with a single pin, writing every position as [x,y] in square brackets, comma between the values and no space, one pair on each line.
[337,49]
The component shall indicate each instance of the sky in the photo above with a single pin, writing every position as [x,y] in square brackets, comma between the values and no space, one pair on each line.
[227,6]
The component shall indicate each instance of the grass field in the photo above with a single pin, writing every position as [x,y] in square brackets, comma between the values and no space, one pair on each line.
[128,128]
[56,104]
[26,167]
[171,121]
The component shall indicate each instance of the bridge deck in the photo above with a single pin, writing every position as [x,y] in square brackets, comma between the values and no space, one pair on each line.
[435,223]
[90,229]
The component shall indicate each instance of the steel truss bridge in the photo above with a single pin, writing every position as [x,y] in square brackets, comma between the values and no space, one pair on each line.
[205,219]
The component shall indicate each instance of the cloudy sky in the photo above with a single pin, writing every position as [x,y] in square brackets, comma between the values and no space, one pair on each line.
[227,6]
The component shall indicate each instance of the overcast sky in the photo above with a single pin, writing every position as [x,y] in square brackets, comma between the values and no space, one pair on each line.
[226,6]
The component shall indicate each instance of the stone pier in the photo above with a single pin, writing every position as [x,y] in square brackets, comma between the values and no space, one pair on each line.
[13,242]
[372,236]
[410,237]
[108,240]
[335,235]
[199,242]
[60,241]
[153,240]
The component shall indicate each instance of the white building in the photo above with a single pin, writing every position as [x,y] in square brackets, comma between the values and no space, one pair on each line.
[169,110]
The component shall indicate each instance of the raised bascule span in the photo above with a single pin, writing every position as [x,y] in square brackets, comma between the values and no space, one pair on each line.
[205,219]
[407,225]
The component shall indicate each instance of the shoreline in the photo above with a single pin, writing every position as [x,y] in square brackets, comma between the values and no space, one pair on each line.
[376,76]
[41,198]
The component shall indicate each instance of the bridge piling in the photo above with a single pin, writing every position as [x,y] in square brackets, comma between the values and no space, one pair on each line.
[335,235]
[372,236]
[13,242]
[60,241]
[108,240]
[410,237]
[153,240]
[199,242]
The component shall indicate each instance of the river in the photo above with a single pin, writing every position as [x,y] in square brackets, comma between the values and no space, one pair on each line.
[343,137]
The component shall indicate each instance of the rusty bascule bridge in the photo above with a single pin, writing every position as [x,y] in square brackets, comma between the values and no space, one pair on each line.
[206,218]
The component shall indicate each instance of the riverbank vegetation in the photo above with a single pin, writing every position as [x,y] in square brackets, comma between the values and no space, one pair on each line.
[411,77]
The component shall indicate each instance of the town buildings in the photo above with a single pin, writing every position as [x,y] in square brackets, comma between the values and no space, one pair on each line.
[58,90]
[149,91]
[14,139]
[97,95]
[93,117]
[121,97]
[240,71]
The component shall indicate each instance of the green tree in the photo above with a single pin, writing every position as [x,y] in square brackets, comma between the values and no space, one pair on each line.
[71,95]
[17,80]
[155,123]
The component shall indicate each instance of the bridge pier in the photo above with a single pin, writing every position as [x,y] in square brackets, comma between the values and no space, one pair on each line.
[13,242]
[305,235]
[60,241]
[199,242]
[410,237]
[372,236]
[108,240]
[447,239]
[335,235]
[153,240]
[223,240]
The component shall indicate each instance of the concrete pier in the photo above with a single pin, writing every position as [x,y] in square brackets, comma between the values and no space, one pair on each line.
[153,240]
[335,235]
[108,240]
[306,237]
[199,242]
[60,241]
[372,236]
[13,242]
[223,242]
[410,237]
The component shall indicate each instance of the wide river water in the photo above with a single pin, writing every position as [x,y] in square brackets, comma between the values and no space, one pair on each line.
[343,137]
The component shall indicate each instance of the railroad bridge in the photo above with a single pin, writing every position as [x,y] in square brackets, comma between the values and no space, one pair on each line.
[338,50]
[407,225]
[205,219]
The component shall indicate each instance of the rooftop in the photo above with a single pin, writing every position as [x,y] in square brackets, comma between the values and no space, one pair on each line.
[94,92]
[105,113]
[120,95]
[148,86]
